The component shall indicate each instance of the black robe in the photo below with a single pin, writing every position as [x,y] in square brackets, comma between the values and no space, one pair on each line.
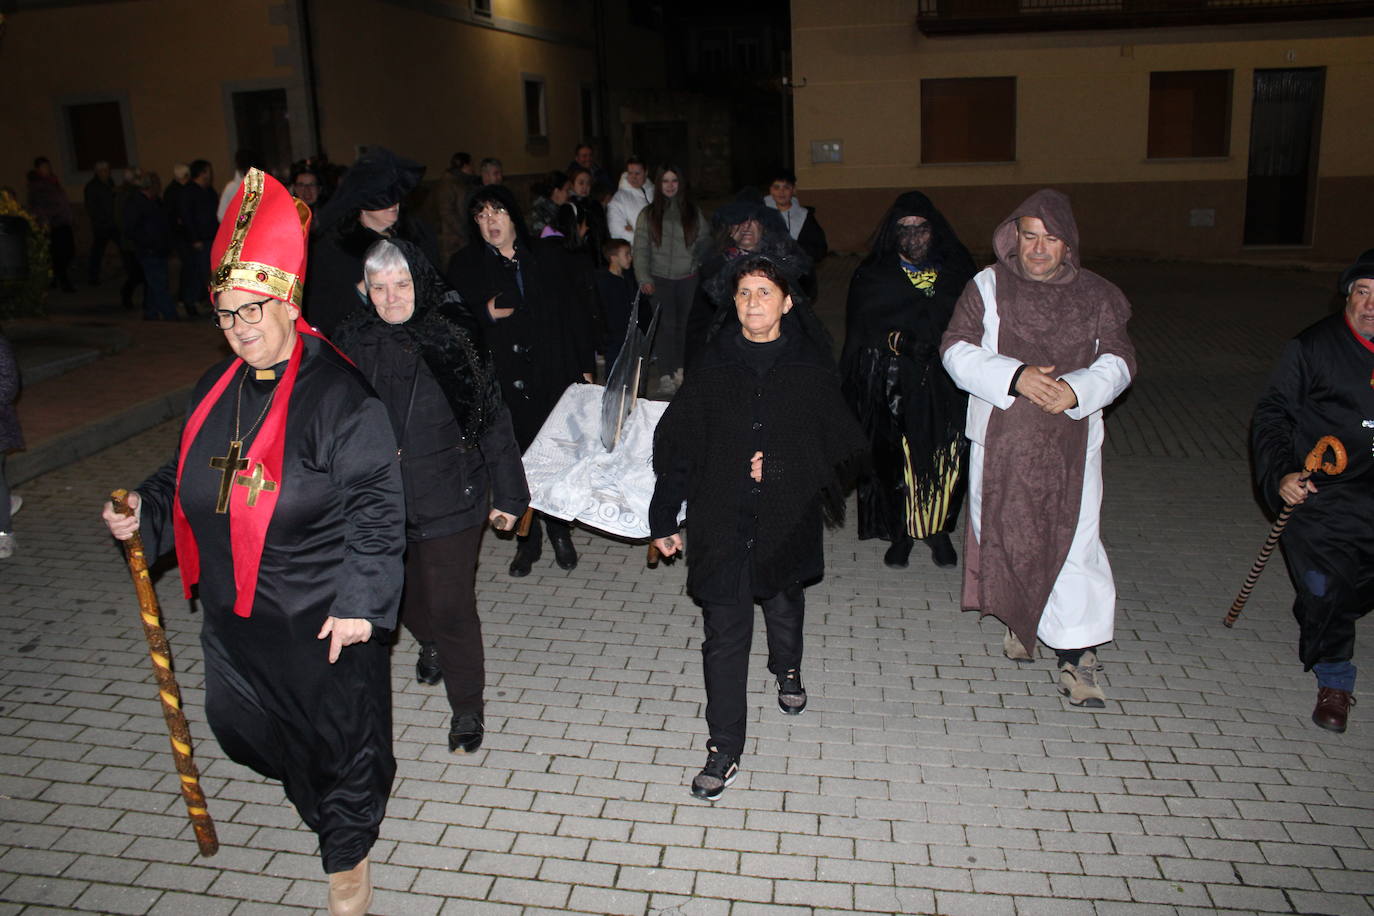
[333,548]
[908,394]
[1323,386]
[542,348]
[336,267]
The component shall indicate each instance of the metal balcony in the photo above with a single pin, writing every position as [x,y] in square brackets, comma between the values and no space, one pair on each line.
[965,17]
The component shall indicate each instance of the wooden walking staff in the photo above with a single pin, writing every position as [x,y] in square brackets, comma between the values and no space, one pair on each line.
[167,686]
[1311,464]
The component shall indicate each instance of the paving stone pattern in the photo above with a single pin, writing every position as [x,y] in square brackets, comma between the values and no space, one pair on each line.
[929,775]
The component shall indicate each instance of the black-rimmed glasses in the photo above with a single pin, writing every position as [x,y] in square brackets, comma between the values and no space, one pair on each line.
[249,312]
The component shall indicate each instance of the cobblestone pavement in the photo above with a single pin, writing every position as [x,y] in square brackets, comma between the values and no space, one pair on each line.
[929,775]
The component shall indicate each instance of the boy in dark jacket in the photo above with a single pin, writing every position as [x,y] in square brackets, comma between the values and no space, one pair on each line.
[617,289]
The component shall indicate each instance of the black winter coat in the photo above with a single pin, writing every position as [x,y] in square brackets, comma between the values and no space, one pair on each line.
[544,346]
[725,412]
[447,477]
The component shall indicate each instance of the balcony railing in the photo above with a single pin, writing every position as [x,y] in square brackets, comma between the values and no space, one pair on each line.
[954,17]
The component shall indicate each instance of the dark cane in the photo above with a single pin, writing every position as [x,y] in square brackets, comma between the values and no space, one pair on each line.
[1311,464]
[167,686]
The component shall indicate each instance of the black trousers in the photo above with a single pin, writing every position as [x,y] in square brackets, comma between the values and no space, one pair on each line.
[439,605]
[100,239]
[729,632]
[538,522]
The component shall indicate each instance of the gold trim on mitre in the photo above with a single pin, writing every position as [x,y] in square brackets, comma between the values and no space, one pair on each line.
[233,273]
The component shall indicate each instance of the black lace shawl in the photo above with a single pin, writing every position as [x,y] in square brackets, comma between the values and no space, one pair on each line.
[448,340]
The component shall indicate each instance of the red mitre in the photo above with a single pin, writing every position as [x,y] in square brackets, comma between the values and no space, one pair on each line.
[261,243]
[260,248]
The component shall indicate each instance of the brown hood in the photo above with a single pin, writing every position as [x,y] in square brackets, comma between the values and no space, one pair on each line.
[1053,209]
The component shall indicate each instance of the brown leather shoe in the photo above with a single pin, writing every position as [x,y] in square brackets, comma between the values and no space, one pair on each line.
[350,892]
[1333,707]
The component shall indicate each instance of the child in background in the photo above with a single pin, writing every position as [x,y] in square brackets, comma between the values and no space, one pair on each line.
[616,287]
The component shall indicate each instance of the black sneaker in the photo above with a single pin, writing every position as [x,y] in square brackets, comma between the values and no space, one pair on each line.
[720,770]
[791,693]
[427,666]
[942,551]
[465,733]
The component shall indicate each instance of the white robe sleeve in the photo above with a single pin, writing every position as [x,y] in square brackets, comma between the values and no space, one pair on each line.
[982,372]
[1098,385]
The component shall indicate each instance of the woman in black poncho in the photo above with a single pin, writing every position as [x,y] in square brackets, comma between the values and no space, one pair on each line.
[900,300]
[460,465]
[536,328]
[757,442]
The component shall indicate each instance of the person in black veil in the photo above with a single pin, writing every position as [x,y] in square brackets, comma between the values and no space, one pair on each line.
[537,330]
[900,300]
[460,465]
[366,208]
[741,228]
[760,445]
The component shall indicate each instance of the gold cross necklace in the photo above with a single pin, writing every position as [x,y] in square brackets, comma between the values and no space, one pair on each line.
[230,464]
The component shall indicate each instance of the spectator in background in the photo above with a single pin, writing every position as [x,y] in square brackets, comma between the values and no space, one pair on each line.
[306,186]
[49,205]
[636,192]
[149,231]
[196,206]
[549,194]
[133,274]
[618,294]
[100,209]
[244,160]
[451,197]
[181,242]
[584,156]
[801,221]
[491,172]
[670,239]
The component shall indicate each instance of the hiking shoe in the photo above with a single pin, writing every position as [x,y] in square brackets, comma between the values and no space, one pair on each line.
[465,733]
[1079,682]
[1012,648]
[897,555]
[791,693]
[720,770]
[6,545]
[427,669]
[1332,709]
[942,551]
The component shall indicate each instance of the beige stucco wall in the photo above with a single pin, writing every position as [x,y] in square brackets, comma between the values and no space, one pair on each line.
[455,87]
[152,51]
[1082,110]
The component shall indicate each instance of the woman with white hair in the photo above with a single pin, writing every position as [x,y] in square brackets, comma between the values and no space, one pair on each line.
[460,465]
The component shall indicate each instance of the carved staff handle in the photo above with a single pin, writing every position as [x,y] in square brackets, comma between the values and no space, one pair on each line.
[167,688]
[1313,462]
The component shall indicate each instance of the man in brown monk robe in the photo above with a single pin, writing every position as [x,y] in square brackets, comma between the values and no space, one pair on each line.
[1040,345]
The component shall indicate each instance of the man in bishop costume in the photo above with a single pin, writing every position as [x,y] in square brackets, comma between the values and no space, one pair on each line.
[284,506]
[1040,345]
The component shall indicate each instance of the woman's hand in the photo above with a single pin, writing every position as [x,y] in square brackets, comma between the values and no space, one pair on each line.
[670,545]
[496,313]
[501,521]
[756,467]
[123,527]
[646,288]
[1292,491]
[344,631]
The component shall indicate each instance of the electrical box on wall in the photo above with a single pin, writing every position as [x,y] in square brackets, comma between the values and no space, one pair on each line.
[827,151]
[1202,217]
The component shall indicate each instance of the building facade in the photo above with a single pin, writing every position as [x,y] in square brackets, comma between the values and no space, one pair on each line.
[1211,129]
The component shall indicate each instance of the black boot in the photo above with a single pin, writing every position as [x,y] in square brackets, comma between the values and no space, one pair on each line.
[896,556]
[942,550]
[527,553]
[465,733]
[564,553]
[427,667]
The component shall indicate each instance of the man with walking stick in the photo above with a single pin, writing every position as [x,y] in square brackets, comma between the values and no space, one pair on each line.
[1324,385]
[284,504]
